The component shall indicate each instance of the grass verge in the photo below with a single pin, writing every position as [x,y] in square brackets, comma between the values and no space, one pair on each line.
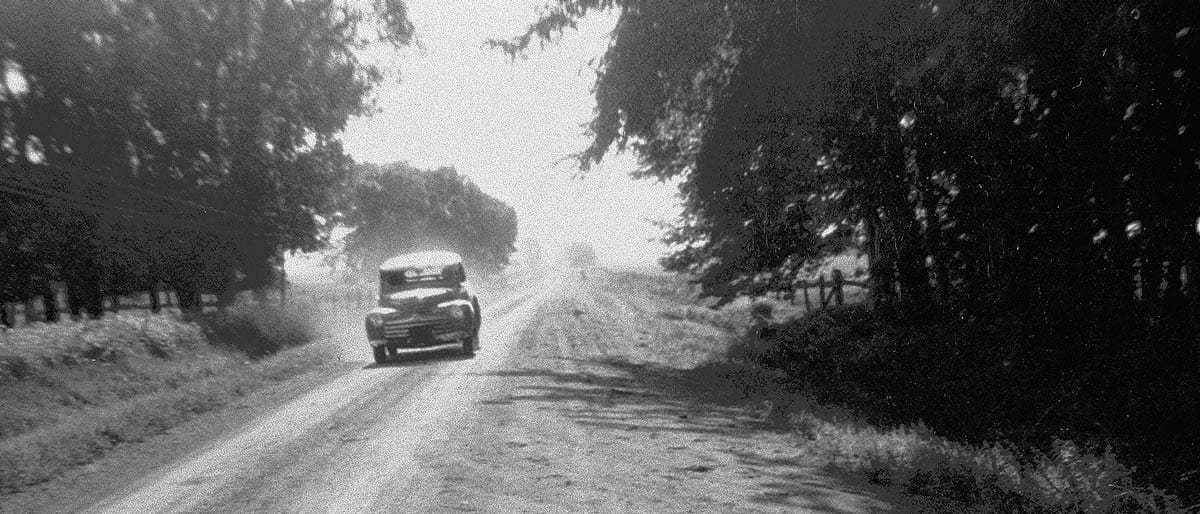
[988,477]
[776,374]
[71,391]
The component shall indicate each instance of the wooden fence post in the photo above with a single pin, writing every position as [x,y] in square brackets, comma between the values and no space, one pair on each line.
[838,282]
[821,291]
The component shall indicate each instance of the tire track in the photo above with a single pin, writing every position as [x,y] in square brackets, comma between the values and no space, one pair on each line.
[335,448]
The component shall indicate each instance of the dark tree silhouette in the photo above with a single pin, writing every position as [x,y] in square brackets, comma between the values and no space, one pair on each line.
[995,160]
[190,143]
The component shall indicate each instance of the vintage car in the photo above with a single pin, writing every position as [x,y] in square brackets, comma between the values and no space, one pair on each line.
[424,300]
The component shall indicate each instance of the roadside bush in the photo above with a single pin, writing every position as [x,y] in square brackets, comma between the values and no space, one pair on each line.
[990,475]
[935,370]
[987,380]
[258,330]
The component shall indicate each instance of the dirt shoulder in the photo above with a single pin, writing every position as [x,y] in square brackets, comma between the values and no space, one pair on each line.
[79,487]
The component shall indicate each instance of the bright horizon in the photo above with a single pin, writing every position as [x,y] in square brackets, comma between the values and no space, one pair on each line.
[508,125]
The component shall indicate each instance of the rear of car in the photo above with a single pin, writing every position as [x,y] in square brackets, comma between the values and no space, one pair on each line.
[424,301]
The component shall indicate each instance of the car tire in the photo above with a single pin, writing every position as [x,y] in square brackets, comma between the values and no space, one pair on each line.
[380,355]
[468,346]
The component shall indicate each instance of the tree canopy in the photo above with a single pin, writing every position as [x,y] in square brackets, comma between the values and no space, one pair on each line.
[189,142]
[935,132]
[580,254]
[1029,158]
[397,208]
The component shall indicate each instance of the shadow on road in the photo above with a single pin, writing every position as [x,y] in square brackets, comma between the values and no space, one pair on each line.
[601,398]
[630,399]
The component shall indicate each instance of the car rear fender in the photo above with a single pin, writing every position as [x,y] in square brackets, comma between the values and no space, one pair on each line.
[385,311]
[374,332]
[458,302]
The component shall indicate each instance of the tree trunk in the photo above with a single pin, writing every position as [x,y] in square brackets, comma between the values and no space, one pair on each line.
[155,301]
[32,312]
[94,305]
[189,301]
[911,272]
[51,311]
[1173,294]
[74,305]
[933,243]
[879,263]
[227,298]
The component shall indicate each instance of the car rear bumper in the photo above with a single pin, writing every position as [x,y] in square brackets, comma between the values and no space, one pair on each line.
[421,338]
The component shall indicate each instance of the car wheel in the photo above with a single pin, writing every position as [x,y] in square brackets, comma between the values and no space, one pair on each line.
[380,355]
[468,346]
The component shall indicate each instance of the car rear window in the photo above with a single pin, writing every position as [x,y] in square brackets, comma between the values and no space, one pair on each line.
[415,277]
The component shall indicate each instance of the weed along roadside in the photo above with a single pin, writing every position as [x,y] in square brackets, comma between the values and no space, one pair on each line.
[73,390]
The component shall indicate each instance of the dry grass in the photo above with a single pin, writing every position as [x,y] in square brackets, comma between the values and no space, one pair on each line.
[987,478]
[73,390]
[41,347]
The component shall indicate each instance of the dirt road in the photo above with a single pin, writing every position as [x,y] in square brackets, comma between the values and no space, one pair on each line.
[562,410]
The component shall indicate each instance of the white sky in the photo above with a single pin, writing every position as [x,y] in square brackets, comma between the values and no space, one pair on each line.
[504,123]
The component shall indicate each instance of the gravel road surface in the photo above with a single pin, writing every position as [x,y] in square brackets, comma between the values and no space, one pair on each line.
[560,411]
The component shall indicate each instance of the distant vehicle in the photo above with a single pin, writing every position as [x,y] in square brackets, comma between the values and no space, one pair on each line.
[424,300]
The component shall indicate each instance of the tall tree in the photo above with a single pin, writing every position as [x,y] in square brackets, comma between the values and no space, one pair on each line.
[397,208]
[186,142]
[580,255]
[995,160]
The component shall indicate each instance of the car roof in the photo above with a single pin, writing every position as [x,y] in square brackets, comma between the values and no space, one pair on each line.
[420,259]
